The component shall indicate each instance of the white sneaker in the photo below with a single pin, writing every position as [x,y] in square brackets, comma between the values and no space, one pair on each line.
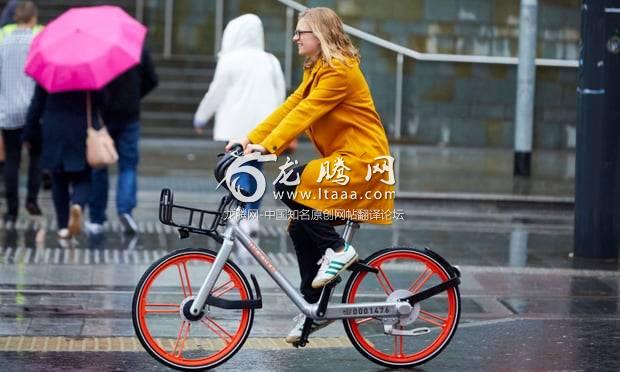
[333,264]
[93,228]
[129,224]
[250,227]
[295,334]
[64,234]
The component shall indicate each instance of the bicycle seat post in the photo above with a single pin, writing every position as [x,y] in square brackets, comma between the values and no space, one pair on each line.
[350,228]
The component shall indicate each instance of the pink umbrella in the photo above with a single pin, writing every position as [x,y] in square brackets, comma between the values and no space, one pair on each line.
[85,48]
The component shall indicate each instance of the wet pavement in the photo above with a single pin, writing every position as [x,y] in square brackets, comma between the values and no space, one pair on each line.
[527,303]
[519,344]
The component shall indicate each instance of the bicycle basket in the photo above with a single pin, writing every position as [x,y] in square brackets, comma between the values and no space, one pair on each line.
[199,221]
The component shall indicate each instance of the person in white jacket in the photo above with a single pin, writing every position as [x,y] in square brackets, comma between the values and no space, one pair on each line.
[247,86]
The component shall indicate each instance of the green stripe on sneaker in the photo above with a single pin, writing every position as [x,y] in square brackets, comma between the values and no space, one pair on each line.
[331,272]
[337,266]
[338,263]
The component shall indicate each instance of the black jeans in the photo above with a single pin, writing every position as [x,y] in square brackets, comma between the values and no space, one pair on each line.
[62,182]
[311,238]
[13,149]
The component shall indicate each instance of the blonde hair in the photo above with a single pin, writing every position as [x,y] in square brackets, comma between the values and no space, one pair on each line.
[329,29]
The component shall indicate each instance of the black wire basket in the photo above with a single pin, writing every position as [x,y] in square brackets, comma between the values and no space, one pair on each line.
[198,221]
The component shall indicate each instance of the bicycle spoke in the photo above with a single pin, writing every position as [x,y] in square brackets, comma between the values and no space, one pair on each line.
[217,329]
[162,309]
[398,346]
[162,328]
[184,279]
[189,285]
[421,280]
[362,321]
[221,290]
[432,318]
[181,337]
[408,271]
[384,282]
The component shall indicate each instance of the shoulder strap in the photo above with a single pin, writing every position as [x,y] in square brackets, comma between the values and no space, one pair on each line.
[89,112]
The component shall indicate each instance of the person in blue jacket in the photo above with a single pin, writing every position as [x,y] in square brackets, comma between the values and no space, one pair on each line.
[58,122]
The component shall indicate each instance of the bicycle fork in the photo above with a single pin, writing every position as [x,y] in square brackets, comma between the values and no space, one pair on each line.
[203,298]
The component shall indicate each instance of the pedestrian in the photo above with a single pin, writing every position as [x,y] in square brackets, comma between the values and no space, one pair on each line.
[59,122]
[121,116]
[16,91]
[333,105]
[7,26]
[8,23]
[247,86]
[6,17]
[8,13]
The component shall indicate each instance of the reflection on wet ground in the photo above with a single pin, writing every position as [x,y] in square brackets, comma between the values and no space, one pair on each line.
[519,344]
[463,243]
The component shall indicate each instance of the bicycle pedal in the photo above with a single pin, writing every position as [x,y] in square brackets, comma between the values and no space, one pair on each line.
[334,282]
[300,343]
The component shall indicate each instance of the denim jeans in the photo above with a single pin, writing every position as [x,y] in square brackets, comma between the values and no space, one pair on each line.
[126,137]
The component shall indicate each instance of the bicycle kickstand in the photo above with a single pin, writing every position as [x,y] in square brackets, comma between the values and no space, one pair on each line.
[323,300]
[303,340]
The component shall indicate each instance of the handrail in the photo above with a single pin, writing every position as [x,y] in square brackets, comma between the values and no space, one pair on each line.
[437,57]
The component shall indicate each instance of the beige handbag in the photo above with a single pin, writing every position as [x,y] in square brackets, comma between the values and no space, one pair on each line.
[100,149]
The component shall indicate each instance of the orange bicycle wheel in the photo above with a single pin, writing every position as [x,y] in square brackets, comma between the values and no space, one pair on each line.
[401,273]
[168,333]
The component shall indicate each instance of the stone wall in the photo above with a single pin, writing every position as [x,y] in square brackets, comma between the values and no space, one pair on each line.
[464,104]
[444,103]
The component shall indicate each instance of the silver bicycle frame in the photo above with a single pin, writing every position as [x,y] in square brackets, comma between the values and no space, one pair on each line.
[333,311]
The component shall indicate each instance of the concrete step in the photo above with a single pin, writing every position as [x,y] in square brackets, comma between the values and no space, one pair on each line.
[163,104]
[200,75]
[167,124]
[169,110]
[184,61]
[181,88]
[167,129]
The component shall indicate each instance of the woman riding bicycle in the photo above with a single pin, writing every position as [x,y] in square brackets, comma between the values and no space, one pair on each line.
[333,105]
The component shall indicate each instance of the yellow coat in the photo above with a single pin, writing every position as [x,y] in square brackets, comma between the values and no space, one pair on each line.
[333,105]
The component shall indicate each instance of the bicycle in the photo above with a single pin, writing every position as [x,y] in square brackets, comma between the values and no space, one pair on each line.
[400,306]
